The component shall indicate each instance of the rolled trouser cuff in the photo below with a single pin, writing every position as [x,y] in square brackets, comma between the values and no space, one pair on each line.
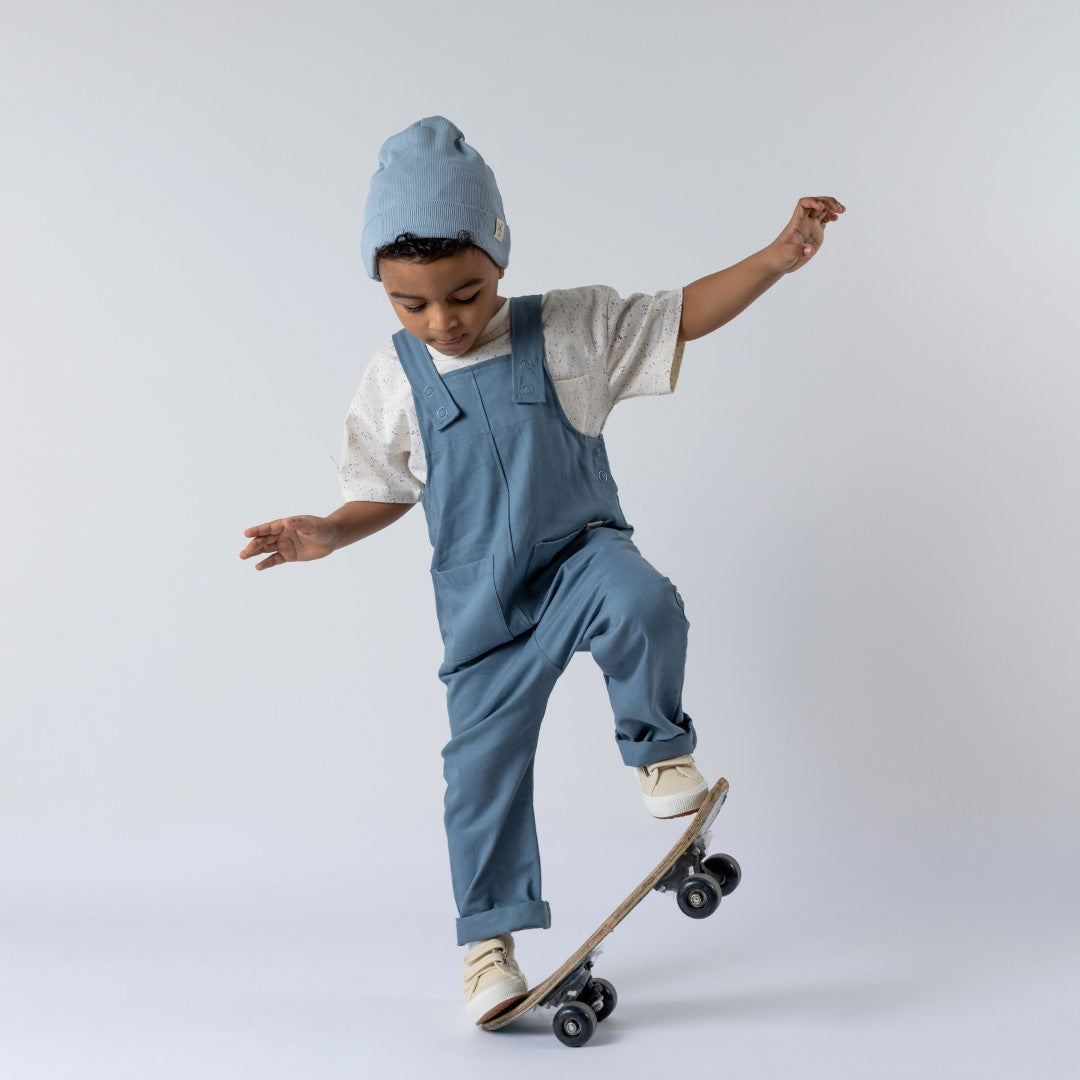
[647,753]
[533,915]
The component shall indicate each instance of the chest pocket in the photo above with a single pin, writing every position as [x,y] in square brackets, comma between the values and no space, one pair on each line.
[573,399]
[470,614]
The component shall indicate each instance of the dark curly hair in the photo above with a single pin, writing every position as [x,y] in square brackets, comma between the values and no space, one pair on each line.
[424,249]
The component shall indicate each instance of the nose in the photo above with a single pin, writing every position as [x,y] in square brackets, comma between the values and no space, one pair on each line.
[442,321]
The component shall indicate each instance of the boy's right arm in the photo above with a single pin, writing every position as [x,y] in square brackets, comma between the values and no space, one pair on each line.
[305,537]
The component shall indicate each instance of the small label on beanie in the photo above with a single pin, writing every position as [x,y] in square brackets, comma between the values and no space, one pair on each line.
[500,229]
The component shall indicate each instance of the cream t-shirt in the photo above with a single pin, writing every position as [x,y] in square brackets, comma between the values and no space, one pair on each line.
[599,348]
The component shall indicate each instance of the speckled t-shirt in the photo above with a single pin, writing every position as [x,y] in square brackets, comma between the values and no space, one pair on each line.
[599,347]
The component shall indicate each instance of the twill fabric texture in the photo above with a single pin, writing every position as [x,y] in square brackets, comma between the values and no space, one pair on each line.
[532,561]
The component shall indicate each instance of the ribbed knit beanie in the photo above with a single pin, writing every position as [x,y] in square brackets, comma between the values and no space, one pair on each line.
[432,183]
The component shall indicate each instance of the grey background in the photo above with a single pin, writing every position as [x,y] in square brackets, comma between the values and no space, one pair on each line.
[220,832]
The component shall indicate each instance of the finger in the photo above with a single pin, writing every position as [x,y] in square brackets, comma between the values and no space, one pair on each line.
[256,547]
[829,206]
[278,545]
[268,528]
[798,247]
[273,560]
[820,207]
[258,544]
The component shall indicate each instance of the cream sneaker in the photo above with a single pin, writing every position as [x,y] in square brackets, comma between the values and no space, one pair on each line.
[493,981]
[672,788]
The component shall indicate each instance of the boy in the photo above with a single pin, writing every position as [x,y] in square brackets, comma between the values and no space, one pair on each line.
[490,414]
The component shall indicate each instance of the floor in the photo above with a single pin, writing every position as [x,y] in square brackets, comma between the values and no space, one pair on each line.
[942,965]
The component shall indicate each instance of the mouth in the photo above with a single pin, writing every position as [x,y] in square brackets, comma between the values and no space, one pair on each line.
[449,344]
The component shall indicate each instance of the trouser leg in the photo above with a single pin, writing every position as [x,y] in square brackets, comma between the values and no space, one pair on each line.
[608,599]
[495,704]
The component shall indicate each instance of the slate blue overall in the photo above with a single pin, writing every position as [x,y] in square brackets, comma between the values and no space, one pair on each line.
[532,562]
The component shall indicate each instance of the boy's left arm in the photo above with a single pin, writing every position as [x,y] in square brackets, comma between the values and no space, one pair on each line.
[711,301]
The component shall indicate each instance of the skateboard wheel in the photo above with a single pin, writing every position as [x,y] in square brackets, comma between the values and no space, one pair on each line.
[726,870]
[699,896]
[600,995]
[574,1024]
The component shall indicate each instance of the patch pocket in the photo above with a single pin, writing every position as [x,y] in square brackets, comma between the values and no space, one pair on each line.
[573,397]
[467,605]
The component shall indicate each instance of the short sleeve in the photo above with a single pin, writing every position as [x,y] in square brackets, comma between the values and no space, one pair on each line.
[381,435]
[643,350]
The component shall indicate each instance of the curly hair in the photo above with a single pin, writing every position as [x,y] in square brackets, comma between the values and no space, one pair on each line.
[424,249]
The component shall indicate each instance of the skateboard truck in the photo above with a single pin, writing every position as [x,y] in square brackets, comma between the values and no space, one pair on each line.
[581,1002]
[699,881]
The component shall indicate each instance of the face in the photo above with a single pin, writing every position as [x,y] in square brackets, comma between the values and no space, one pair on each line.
[446,303]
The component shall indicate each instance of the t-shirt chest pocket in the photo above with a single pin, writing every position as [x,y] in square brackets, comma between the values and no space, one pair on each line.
[572,398]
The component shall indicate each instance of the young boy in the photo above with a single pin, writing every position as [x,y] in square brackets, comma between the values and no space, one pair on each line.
[490,414]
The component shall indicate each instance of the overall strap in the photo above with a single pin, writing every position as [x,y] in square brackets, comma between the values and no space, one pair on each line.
[429,390]
[527,350]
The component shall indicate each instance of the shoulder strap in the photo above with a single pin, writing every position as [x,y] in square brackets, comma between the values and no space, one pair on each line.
[527,350]
[429,390]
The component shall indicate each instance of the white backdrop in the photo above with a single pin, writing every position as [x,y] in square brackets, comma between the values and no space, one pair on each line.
[864,487]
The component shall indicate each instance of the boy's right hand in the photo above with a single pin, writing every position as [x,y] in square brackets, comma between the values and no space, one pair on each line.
[291,539]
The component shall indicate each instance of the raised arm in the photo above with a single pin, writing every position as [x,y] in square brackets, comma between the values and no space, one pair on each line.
[305,537]
[711,301]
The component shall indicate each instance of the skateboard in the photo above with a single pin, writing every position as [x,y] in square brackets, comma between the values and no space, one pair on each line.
[698,882]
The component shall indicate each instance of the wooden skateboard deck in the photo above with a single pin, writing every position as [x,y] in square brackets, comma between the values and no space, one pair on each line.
[559,984]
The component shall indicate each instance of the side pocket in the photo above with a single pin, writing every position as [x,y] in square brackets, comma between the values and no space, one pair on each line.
[467,604]
[544,561]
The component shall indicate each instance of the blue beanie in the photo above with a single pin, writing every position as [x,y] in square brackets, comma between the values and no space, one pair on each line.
[432,183]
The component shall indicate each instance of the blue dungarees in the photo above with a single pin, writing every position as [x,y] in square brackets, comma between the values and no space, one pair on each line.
[533,561]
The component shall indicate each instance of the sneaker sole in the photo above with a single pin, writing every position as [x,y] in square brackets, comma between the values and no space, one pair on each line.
[673,806]
[495,999]
[506,1006]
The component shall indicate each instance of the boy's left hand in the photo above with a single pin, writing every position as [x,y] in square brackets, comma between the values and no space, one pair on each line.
[803,234]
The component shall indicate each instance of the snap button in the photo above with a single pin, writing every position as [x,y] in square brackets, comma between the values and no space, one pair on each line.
[526,390]
[596,450]
[442,412]
[527,362]
[429,390]
[602,474]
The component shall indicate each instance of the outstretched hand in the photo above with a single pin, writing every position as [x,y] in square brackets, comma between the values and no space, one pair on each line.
[291,539]
[803,234]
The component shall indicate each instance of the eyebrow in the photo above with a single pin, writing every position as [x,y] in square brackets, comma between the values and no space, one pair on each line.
[463,285]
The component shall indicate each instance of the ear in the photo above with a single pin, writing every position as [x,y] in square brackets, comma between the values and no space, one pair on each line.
[501,272]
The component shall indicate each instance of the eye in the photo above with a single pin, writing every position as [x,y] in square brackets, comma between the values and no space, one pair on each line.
[469,299]
[413,310]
